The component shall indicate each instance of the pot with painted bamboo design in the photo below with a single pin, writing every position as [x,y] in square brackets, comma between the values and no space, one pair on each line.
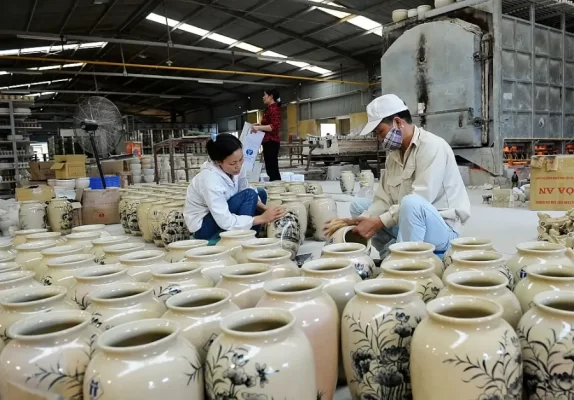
[420,272]
[99,244]
[140,263]
[245,282]
[17,279]
[253,245]
[542,278]
[479,260]
[113,252]
[60,215]
[465,244]
[90,279]
[176,250]
[531,253]
[233,240]
[61,270]
[416,251]
[20,236]
[212,260]
[168,280]
[30,255]
[279,260]
[354,252]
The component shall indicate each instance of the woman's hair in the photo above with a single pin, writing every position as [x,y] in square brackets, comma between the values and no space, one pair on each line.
[222,146]
[275,94]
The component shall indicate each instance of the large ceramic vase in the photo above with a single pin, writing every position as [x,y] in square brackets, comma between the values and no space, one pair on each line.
[416,251]
[144,360]
[170,279]
[132,214]
[60,215]
[542,278]
[17,279]
[322,209]
[199,314]
[296,206]
[306,200]
[233,240]
[530,253]
[141,263]
[143,221]
[479,260]
[50,353]
[112,253]
[279,260]
[29,256]
[61,270]
[346,235]
[122,209]
[212,260]
[261,354]
[547,341]
[366,179]
[253,245]
[354,252]
[32,215]
[99,244]
[176,250]
[288,230]
[173,227]
[487,284]
[376,332]
[91,279]
[245,282]
[123,302]
[347,182]
[154,216]
[465,349]
[316,314]
[465,244]
[420,272]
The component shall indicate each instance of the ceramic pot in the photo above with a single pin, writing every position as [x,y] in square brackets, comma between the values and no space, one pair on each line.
[314,188]
[101,228]
[465,244]
[254,245]
[487,284]
[399,14]
[60,215]
[279,260]
[316,314]
[8,257]
[346,235]
[61,270]
[90,279]
[306,199]
[233,239]
[119,303]
[322,209]
[122,210]
[297,187]
[173,227]
[354,252]
[140,263]
[137,353]
[546,339]
[265,346]
[30,255]
[245,283]
[49,352]
[113,253]
[83,239]
[420,272]
[412,13]
[274,200]
[442,3]
[32,215]
[99,244]
[545,277]
[27,301]
[20,236]
[212,260]
[9,267]
[131,211]
[530,253]
[288,230]
[170,279]
[300,210]
[461,338]
[38,237]
[176,250]
[376,331]
[421,10]
[416,251]
[199,313]
[154,217]
[143,221]
[366,177]
[17,280]
[479,260]
[347,182]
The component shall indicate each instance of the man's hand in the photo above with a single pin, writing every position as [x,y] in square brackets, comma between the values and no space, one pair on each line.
[335,224]
[367,227]
[270,215]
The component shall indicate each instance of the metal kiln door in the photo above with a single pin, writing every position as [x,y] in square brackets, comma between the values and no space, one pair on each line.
[434,69]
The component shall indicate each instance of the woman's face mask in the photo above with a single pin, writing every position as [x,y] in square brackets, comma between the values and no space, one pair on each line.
[393,139]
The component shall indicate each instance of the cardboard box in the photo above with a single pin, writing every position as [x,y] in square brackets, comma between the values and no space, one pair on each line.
[110,167]
[69,167]
[552,183]
[134,148]
[35,193]
[40,171]
[101,206]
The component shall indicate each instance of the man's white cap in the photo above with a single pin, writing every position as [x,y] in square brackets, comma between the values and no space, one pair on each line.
[381,108]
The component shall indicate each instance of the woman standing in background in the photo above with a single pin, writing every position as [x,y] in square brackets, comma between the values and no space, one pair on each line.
[271,124]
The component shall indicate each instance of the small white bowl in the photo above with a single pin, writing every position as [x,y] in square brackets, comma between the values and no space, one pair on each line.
[423,9]
[412,12]
[82,183]
[66,183]
[135,167]
[399,14]
[148,171]
[148,178]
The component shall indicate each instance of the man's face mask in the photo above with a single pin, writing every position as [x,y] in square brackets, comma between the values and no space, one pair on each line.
[393,139]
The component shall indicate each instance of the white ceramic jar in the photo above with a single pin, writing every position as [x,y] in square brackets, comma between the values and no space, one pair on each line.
[170,279]
[253,245]
[30,255]
[420,272]
[101,228]
[60,215]
[531,253]
[83,239]
[245,282]
[279,260]
[17,279]
[99,244]
[38,237]
[20,236]
[354,252]
[55,252]
[543,278]
[32,215]
[112,253]
[416,251]
[176,250]
[90,279]
[61,270]
[233,240]
[212,260]
[321,209]
[140,263]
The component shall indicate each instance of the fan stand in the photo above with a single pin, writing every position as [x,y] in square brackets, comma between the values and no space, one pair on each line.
[92,135]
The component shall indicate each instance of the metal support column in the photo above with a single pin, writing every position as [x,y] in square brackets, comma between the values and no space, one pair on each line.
[14,144]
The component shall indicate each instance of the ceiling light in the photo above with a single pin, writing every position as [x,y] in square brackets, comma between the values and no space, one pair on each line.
[212,81]
[248,47]
[364,22]
[169,96]
[318,70]
[41,94]
[358,20]
[35,83]
[51,49]
[269,53]
[48,67]
[222,39]
[298,64]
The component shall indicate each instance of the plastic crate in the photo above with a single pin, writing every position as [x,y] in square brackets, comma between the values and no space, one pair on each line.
[111,181]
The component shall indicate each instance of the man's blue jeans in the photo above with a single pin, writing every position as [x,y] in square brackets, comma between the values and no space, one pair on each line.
[242,203]
[419,221]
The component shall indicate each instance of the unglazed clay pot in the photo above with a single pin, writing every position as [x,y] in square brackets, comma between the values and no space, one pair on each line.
[199,313]
[49,352]
[173,227]
[487,284]
[288,230]
[530,253]
[376,330]
[261,354]
[245,282]
[24,302]
[420,272]
[20,236]
[346,235]
[212,260]
[39,237]
[83,239]
[233,240]
[143,221]
[547,341]
[17,280]
[176,250]
[32,215]
[150,358]
[347,182]
[154,216]
[545,277]
[322,209]
[279,260]
[60,215]
[99,244]
[253,245]
[461,339]
[113,252]
[316,314]
[61,270]
[479,260]
[416,251]
[465,244]
[140,263]
[354,252]
[90,279]
[119,303]
[92,228]
[30,255]
[170,279]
